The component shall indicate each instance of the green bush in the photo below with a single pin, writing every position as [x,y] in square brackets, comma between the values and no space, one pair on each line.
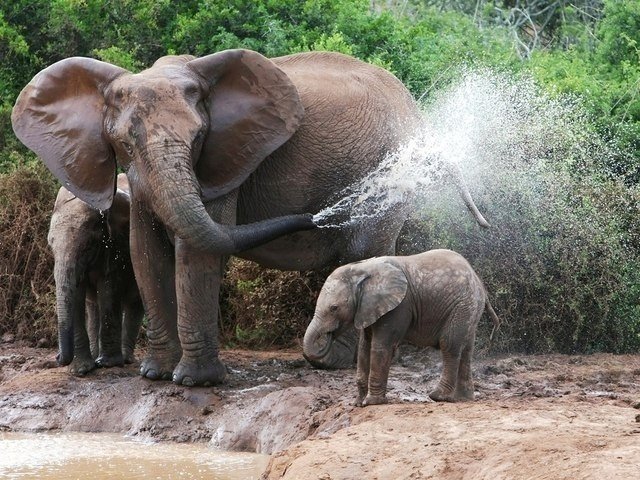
[561,256]
[264,308]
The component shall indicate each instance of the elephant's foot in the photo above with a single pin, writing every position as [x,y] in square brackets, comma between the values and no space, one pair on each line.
[443,395]
[374,400]
[110,360]
[464,393]
[156,367]
[362,393]
[80,366]
[199,372]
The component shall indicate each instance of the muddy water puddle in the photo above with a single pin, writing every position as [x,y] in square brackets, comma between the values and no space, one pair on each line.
[98,456]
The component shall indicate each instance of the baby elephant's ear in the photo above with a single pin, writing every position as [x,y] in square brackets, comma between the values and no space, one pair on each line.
[378,293]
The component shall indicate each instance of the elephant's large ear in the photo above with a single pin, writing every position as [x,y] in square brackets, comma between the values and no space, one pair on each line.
[59,115]
[253,108]
[378,292]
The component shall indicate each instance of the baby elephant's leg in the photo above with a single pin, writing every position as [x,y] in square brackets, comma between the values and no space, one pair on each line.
[464,387]
[457,348]
[364,356]
[110,338]
[83,361]
[133,313]
[380,362]
[445,391]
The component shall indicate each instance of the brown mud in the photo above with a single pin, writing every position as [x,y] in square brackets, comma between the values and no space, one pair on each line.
[534,417]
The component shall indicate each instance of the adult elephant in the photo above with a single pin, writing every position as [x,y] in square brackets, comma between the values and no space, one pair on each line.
[224,154]
[97,301]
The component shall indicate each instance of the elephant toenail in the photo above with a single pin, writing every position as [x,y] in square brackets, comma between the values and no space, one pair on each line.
[188,382]
[151,374]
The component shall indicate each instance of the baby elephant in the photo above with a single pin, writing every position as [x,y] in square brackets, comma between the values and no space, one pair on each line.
[97,300]
[431,299]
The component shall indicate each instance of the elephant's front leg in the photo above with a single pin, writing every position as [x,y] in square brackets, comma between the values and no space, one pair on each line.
[362,375]
[83,360]
[110,333]
[198,279]
[153,262]
[132,314]
[92,323]
[382,350]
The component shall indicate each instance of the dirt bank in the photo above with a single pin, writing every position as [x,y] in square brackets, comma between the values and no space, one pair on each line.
[534,416]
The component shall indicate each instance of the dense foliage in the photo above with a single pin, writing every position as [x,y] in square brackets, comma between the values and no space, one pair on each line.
[562,260]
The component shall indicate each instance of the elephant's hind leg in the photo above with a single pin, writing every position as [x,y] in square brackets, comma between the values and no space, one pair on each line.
[456,345]
[464,387]
[445,391]
[451,348]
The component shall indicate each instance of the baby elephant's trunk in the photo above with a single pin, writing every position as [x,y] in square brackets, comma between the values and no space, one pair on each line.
[316,343]
[330,350]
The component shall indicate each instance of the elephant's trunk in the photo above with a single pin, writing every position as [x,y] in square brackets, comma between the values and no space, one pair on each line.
[70,304]
[176,199]
[330,350]
[317,342]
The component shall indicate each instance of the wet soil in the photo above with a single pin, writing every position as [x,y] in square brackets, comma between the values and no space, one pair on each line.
[534,417]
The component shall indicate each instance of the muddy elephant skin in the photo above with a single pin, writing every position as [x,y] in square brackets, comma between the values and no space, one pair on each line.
[97,300]
[431,299]
[230,153]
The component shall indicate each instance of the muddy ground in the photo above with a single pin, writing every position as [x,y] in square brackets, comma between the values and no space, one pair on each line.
[534,417]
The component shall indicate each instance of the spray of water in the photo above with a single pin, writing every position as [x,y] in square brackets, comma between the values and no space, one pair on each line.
[493,127]
[397,180]
[560,262]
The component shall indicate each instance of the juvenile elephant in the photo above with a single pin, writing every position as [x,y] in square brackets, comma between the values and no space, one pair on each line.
[98,304]
[430,299]
[225,155]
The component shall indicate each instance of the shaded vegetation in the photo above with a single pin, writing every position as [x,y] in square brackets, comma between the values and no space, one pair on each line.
[27,291]
[263,308]
[563,266]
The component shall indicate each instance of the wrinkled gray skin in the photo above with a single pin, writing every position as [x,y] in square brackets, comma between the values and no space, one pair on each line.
[431,299]
[98,304]
[225,154]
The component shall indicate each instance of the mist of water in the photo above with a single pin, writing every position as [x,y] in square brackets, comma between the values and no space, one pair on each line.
[397,180]
[498,129]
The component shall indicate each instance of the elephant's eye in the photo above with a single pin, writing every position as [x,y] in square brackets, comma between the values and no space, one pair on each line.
[333,308]
[127,148]
[192,91]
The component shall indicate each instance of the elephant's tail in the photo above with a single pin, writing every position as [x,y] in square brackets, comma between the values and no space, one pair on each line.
[494,318]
